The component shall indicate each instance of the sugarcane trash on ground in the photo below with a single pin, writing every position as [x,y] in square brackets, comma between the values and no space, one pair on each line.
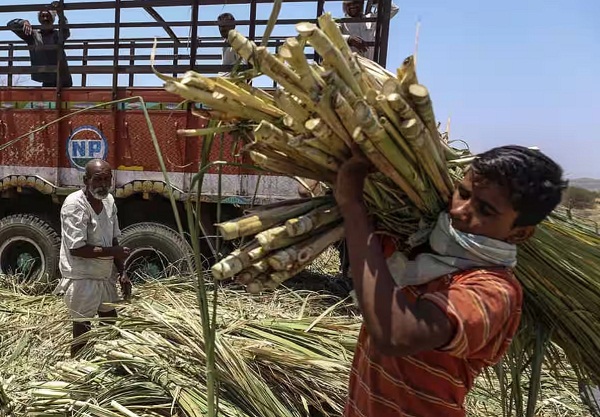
[122,367]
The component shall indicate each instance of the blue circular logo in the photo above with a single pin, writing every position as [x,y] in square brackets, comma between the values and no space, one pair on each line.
[84,144]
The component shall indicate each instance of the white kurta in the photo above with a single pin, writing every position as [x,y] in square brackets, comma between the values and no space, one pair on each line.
[365,31]
[87,283]
[230,57]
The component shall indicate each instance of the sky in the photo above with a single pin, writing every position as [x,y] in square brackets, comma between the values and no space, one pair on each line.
[505,72]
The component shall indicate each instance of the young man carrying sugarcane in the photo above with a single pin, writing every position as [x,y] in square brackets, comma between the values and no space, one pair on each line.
[90,254]
[359,34]
[433,323]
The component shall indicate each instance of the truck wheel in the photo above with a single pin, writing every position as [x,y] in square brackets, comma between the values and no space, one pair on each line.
[157,251]
[29,248]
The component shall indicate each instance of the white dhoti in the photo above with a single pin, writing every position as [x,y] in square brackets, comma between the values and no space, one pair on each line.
[86,297]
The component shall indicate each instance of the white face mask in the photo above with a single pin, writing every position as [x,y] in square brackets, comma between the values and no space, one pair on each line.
[100,193]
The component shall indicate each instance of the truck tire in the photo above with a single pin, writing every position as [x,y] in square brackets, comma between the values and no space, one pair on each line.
[157,252]
[29,249]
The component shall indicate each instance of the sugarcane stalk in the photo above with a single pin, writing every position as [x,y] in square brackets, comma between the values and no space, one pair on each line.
[281,166]
[332,79]
[257,222]
[215,115]
[325,110]
[235,262]
[332,57]
[293,124]
[276,238]
[291,106]
[257,285]
[424,108]
[417,135]
[230,90]
[258,92]
[332,30]
[384,166]
[345,112]
[390,86]
[407,75]
[253,272]
[260,57]
[259,101]
[312,221]
[376,133]
[276,138]
[279,72]
[325,139]
[293,53]
[400,106]
[218,101]
[304,253]
[393,132]
[319,157]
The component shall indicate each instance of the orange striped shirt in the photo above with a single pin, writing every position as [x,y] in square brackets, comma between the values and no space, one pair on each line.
[484,306]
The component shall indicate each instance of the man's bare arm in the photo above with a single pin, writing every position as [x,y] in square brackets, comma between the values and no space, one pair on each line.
[119,262]
[396,325]
[90,251]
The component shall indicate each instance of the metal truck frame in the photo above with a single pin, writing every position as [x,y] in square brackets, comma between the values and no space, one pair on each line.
[45,165]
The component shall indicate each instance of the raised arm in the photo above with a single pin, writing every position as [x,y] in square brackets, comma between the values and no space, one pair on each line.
[65,31]
[396,325]
[22,28]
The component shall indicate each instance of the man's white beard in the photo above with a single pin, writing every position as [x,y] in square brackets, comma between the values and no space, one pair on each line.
[100,193]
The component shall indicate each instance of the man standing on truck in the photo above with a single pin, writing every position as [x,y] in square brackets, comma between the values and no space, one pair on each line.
[358,34]
[227,24]
[90,252]
[43,45]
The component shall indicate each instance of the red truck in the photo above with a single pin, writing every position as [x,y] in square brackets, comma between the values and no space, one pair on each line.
[41,160]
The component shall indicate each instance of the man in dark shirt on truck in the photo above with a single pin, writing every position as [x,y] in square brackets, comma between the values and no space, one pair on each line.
[43,45]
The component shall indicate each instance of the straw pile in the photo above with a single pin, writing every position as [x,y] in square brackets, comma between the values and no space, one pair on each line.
[285,354]
[306,129]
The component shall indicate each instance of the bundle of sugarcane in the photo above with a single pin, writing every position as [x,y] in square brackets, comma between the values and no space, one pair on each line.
[307,128]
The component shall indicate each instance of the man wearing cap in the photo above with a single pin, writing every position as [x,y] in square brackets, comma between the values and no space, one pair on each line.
[43,44]
[359,34]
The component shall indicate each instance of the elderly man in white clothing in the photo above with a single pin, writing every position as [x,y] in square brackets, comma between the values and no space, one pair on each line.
[90,255]
[358,34]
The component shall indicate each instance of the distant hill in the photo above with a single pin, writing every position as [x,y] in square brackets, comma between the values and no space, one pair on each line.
[591,184]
